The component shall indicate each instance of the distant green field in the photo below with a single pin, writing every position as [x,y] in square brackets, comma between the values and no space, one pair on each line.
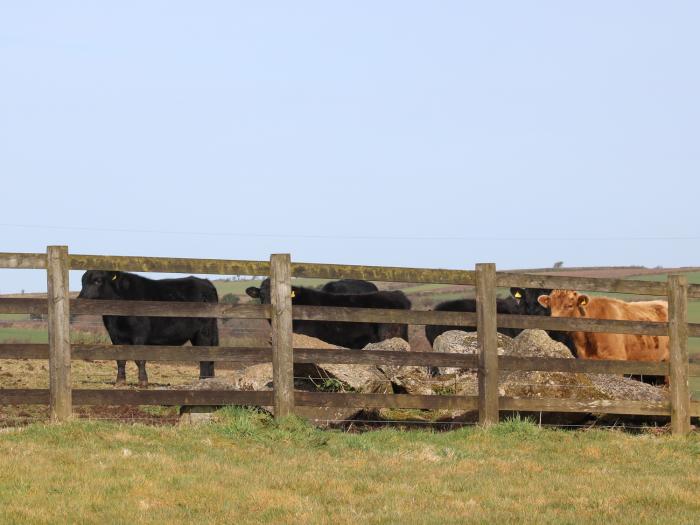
[24,335]
[14,317]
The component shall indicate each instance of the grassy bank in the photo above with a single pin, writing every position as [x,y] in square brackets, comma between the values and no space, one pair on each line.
[246,469]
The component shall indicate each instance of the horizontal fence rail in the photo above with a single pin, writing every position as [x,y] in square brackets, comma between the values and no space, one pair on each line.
[255,355]
[282,355]
[380,315]
[169,309]
[383,273]
[168,265]
[30,261]
[581,283]
[140,397]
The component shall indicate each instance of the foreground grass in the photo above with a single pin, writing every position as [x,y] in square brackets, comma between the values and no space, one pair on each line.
[247,469]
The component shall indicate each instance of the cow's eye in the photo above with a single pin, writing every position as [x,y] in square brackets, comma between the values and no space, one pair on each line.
[98,281]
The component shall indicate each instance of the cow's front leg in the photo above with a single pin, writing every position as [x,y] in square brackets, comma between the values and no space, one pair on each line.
[206,369]
[143,377]
[121,373]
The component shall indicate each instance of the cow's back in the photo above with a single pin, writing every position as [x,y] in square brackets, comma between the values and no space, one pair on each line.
[636,347]
[191,289]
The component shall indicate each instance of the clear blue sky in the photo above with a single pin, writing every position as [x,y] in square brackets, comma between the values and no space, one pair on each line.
[433,134]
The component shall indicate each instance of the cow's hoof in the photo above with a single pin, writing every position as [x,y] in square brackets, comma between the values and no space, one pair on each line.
[143,384]
[120,382]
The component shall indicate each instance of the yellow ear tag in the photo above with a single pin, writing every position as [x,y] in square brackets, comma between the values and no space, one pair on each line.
[518,295]
[114,278]
[294,294]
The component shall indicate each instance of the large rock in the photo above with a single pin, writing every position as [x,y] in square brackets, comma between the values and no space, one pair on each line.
[537,343]
[458,342]
[367,379]
[537,384]
[404,379]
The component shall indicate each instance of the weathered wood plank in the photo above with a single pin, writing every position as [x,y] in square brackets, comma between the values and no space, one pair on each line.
[548,364]
[171,397]
[243,356]
[32,261]
[340,314]
[693,330]
[281,320]
[383,273]
[21,305]
[24,396]
[582,324]
[332,399]
[694,291]
[418,317]
[168,265]
[169,309]
[246,355]
[602,406]
[580,283]
[59,334]
[383,357]
[487,337]
[24,351]
[679,390]
[694,369]
[382,315]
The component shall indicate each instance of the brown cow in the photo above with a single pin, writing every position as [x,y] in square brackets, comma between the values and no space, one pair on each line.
[590,345]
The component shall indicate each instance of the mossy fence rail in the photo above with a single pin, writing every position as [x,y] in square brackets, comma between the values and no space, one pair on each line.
[61,397]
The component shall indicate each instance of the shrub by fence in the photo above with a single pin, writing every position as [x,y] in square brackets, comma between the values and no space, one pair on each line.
[61,397]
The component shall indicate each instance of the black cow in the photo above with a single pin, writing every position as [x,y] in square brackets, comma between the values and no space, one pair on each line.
[348,335]
[522,301]
[127,330]
[349,286]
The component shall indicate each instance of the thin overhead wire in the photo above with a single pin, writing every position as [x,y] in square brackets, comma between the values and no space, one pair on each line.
[426,238]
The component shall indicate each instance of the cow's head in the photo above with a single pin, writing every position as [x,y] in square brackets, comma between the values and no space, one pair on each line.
[565,303]
[262,293]
[528,300]
[98,284]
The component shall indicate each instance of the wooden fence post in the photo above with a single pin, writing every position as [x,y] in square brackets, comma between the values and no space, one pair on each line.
[60,395]
[487,336]
[281,319]
[678,346]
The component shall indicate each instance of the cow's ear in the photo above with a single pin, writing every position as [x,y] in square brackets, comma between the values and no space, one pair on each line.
[119,281]
[518,294]
[544,300]
[253,292]
[582,300]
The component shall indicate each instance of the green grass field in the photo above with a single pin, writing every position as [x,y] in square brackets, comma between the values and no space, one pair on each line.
[245,468]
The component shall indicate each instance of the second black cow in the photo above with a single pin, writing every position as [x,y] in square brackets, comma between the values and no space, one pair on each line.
[349,286]
[348,335]
[130,330]
[522,301]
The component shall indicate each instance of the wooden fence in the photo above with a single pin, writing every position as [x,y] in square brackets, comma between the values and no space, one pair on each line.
[61,397]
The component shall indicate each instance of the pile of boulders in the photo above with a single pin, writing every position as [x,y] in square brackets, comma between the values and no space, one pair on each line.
[422,380]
